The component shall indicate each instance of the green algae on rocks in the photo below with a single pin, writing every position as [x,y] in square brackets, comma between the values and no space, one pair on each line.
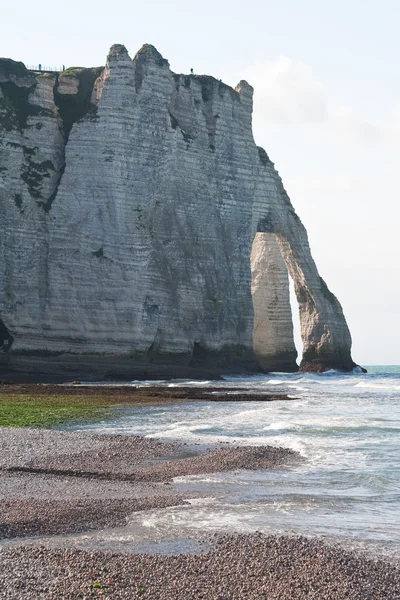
[26,410]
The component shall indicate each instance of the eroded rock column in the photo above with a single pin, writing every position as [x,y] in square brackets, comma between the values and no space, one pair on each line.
[273,340]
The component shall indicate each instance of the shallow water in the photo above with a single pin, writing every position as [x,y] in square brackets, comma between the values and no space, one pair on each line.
[348,488]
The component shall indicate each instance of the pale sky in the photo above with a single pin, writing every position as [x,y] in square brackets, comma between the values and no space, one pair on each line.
[327,111]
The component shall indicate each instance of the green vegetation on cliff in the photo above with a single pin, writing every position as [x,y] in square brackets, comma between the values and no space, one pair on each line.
[12,68]
[15,107]
[73,107]
[33,172]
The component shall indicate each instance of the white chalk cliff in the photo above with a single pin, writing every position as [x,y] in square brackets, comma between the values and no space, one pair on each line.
[130,197]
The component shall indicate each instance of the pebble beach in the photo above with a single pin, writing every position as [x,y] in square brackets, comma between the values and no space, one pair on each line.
[56,482]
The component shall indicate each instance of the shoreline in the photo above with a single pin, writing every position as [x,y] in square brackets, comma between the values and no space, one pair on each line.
[51,481]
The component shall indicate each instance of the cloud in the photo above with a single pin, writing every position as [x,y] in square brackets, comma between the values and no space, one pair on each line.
[346,123]
[336,185]
[288,93]
[392,129]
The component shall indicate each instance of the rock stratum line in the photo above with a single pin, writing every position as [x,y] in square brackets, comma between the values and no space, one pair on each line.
[139,222]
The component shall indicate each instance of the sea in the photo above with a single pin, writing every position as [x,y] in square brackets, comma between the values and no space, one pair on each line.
[346,490]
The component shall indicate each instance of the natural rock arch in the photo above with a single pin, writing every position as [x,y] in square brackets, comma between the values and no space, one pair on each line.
[325,335]
[127,220]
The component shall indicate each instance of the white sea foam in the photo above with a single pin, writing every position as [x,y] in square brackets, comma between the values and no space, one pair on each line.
[345,426]
[281,425]
[202,501]
[383,385]
[300,388]
[191,383]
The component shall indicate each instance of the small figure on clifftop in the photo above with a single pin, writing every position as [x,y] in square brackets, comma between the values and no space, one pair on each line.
[191,71]
[40,67]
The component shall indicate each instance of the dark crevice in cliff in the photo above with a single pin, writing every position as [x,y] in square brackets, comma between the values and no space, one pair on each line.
[327,292]
[43,275]
[264,158]
[207,87]
[33,172]
[265,225]
[99,253]
[303,295]
[18,201]
[47,204]
[138,75]
[210,84]
[174,121]
[74,107]
[187,137]
[175,124]
[15,108]
[6,339]
[177,79]
[291,210]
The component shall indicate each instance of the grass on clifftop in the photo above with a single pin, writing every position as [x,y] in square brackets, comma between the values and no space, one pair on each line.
[44,411]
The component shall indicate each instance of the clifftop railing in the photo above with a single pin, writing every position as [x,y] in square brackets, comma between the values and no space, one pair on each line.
[45,69]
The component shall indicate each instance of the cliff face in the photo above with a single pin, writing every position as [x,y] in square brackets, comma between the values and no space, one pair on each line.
[129,201]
